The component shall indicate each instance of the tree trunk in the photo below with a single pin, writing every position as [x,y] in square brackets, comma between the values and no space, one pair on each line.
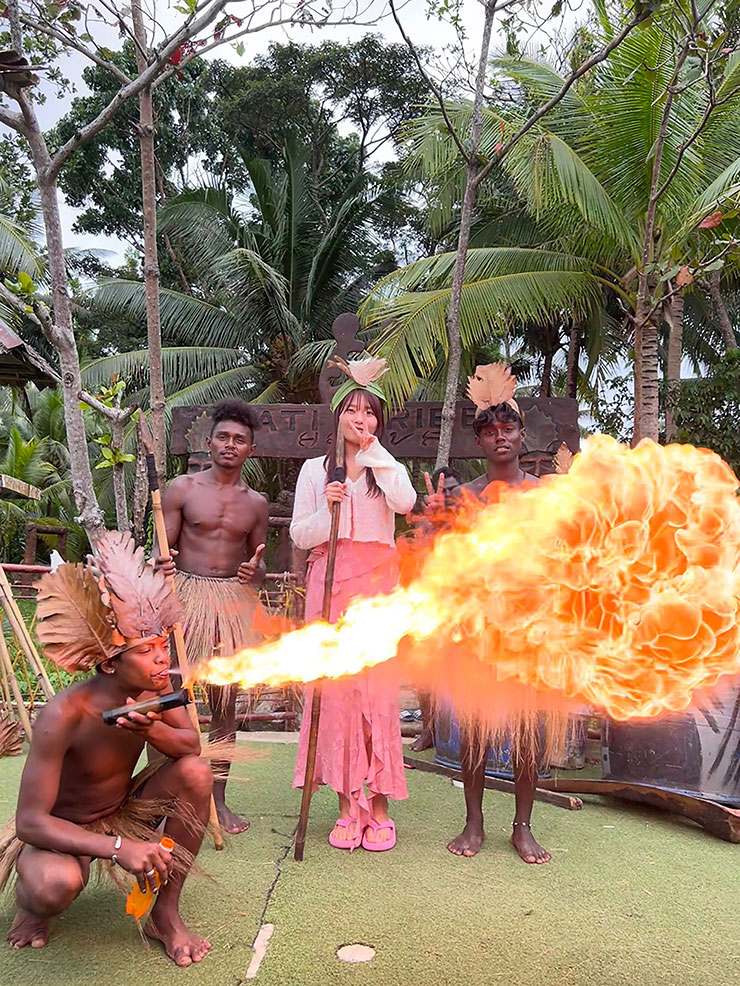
[550,341]
[454,354]
[647,363]
[546,382]
[647,395]
[720,310]
[674,317]
[60,333]
[574,355]
[151,259]
[119,477]
[141,495]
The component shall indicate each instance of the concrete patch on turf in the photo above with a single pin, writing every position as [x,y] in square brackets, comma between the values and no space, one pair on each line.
[355,953]
[260,947]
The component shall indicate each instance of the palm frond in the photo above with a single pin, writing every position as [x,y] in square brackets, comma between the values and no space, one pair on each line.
[193,320]
[181,366]
[18,252]
[501,286]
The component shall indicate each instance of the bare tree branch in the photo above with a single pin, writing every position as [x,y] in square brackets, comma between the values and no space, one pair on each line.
[192,26]
[431,83]
[13,120]
[70,41]
[600,56]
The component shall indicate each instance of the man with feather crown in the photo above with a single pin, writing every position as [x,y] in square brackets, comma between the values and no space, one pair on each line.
[500,432]
[79,802]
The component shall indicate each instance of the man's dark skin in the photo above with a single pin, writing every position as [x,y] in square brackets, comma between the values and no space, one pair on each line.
[501,444]
[218,526]
[79,770]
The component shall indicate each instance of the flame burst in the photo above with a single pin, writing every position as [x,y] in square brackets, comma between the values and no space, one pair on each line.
[617,584]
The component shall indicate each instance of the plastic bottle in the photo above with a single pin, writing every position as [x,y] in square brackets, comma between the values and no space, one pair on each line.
[138,903]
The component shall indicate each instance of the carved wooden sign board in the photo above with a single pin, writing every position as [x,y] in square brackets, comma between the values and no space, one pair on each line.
[302,431]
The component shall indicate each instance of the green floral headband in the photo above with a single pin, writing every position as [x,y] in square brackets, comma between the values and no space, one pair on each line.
[362,374]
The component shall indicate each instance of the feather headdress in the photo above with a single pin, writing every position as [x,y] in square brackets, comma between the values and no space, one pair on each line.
[362,374]
[491,385]
[89,613]
[563,459]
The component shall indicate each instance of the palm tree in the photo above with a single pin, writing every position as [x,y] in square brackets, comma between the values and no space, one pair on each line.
[267,280]
[584,177]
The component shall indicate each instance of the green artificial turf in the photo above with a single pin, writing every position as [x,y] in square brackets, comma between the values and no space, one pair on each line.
[632,897]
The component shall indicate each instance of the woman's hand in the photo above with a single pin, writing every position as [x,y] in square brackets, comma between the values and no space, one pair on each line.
[360,436]
[335,492]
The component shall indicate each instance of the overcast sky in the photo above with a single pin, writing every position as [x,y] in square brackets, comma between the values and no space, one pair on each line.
[423,30]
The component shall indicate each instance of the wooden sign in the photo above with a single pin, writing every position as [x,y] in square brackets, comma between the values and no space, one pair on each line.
[302,431]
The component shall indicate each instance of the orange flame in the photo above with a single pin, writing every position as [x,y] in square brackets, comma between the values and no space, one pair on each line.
[617,584]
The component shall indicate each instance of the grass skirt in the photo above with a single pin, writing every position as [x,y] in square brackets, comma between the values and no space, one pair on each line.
[219,615]
[137,818]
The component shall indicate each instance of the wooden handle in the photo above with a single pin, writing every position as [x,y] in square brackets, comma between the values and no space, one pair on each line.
[313,735]
[160,529]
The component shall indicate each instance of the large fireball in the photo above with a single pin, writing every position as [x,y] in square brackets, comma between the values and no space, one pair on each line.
[617,584]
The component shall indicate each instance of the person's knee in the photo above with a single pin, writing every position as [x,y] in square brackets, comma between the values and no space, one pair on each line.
[54,892]
[195,777]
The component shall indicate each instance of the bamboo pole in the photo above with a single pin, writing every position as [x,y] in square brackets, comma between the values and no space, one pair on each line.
[18,625]
[4,682]
[177,632]
[7,665]
[313,734]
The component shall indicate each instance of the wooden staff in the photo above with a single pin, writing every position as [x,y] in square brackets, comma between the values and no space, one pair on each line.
[179,637]
[18,625]
[8,672]
[313,733]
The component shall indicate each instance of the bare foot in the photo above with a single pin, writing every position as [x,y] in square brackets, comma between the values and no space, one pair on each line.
[28,930]
[230,822]
[469,841]
[424,741]
[181,945]
[527,846]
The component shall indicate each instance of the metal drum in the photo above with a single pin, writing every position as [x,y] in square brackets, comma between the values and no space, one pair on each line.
[447,746]
[695,752]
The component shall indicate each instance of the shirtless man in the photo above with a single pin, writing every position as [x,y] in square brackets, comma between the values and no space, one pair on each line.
[499,432]
[76,793]
[217,527]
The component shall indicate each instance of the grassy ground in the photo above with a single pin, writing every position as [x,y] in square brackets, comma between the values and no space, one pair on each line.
[631,897]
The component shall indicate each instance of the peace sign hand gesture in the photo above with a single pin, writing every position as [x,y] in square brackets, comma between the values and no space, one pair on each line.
[248,569]
[435,500]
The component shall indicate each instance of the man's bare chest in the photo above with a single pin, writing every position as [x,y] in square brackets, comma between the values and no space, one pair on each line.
[101,753]
[232,514]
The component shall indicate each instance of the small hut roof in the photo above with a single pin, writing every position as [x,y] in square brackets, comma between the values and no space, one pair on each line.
[21,364]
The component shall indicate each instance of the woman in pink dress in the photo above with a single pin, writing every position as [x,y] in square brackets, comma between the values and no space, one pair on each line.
[359,738]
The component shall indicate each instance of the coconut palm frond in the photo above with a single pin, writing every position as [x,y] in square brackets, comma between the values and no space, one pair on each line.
[181,365]
[18,252]
[502,285]
[310,358]
[191,319]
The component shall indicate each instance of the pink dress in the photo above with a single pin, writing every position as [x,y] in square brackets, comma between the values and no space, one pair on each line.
[359,739]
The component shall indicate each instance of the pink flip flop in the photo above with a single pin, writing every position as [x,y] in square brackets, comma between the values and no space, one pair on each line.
[347,844]
[379,846]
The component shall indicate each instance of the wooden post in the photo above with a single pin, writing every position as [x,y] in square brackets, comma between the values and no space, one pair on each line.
[15,618]
[164,548]
[8,672]
[313,734]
